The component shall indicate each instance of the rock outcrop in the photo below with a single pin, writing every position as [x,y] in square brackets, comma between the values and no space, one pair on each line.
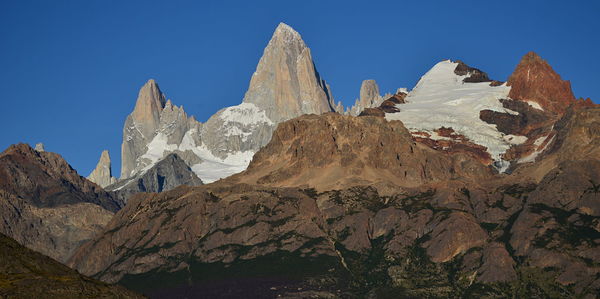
[165,175]
[46,206]
[369,98]
[39,147]
[102,174]
[25,273]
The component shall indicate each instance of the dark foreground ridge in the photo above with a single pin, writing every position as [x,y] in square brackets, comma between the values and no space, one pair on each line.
[28,274]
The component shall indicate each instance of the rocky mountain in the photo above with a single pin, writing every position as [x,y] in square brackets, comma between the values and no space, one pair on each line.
[28,274]
[333,151]
[535,82]
[154,126]
[285,85]
[462,187]
[165,175]
[102,174]
[446,225]
[455,107]
[46,206]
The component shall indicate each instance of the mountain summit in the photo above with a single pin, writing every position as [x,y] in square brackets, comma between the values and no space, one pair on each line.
[286,83]
[534,80]
[140,126]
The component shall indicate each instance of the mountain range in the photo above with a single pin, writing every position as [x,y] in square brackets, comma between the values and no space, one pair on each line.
[462,186]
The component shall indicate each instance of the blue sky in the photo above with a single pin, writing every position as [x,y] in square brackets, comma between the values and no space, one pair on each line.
[70,70]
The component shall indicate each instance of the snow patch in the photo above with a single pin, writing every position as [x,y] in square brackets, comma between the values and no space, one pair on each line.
[157,148]
[535,105]
[245,114]
[213,168]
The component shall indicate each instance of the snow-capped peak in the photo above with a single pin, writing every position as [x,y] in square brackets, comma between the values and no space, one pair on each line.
[442,99]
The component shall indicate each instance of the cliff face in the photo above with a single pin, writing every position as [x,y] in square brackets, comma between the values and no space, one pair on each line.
[45,205]
[141,126]
[286,83]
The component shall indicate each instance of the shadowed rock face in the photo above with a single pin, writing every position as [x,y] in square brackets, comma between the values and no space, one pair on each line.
[474,75]
[45,179]
[28,274]
[46,205]
[165,175]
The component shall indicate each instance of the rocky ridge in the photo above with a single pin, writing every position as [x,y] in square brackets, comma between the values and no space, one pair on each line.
[46,206]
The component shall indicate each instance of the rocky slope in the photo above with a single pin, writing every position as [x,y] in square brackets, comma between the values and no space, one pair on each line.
[451,229]
[25,273]
[102,174]
[333,151]
[285,85]
[165,175]
[45,205]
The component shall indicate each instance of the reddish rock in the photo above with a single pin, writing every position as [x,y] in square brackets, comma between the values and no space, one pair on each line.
[457,144]
[535,80]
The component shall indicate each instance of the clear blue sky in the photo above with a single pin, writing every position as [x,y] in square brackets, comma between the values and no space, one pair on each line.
[70,70]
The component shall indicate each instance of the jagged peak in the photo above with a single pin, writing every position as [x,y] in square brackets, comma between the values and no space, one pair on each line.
[150,91]
[286,35]
[535,80]
[532,57]
[150,102]
[284,28]
[105,157]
